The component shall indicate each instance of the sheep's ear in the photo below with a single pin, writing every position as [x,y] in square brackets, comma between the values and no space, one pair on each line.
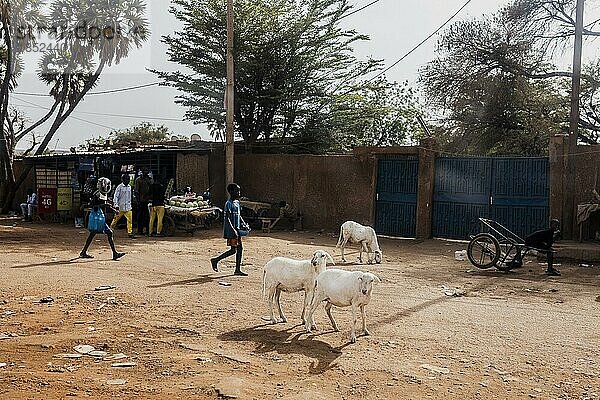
[376,278]
[330,259]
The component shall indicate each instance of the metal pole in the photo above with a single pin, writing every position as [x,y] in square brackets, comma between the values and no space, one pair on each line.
[569,206]
[229,93]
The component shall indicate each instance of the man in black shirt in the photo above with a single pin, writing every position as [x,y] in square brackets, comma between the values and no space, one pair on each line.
[541,240]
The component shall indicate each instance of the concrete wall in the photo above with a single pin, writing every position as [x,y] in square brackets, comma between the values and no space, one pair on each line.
[328,190]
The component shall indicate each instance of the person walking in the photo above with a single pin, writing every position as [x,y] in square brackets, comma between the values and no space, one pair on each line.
[141,191]
[157,209]
[98,203]
[233,229]
[122,201]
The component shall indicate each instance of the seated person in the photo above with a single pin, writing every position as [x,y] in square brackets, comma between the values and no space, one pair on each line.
[29,205]
[290,212]
[541,240]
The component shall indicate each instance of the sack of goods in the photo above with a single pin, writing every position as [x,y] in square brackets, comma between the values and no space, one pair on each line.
[96,221]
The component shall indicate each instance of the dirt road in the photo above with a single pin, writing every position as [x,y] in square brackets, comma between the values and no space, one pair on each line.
[186,336]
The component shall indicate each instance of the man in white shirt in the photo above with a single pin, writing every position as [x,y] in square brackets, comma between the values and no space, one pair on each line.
[29,205]
[122,202]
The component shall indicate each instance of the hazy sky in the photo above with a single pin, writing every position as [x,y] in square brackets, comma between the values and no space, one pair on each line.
[394,27]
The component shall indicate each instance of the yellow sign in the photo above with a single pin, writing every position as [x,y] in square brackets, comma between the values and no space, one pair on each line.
[64,197]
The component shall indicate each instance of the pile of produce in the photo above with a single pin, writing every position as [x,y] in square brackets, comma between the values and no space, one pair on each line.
[188,202]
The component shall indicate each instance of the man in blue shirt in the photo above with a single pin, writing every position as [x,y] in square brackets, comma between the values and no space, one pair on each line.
[232,223]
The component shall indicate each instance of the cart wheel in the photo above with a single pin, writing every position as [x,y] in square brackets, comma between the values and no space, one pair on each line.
[168,226]
[483,250]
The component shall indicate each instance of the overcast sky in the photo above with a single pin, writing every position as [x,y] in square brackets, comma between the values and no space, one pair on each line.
[394,27]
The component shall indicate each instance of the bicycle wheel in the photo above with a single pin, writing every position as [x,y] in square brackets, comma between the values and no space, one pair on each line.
[483,251]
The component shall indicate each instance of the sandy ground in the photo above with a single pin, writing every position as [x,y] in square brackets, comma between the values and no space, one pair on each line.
[517,335]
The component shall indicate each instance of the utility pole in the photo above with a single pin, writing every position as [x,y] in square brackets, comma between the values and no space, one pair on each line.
[229,93]
[569,193]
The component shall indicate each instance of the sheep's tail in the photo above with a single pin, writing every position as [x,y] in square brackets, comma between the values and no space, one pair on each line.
[341,239]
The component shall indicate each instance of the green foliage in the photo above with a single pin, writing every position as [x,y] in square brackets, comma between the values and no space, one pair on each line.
[377,113]
[495,90]
[291,59]
[141,134]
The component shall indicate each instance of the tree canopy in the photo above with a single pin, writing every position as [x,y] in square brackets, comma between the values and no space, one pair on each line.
[295,73]
[142,133]
[496,85]
[85,37]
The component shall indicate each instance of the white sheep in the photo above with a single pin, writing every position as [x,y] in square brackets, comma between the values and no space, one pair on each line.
[342,289]
[288,275]
[365,236]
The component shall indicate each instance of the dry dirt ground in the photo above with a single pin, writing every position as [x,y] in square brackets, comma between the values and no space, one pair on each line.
[517,335]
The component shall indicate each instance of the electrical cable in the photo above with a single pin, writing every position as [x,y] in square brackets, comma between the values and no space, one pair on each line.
[422,42]
[124,89]
[359,9]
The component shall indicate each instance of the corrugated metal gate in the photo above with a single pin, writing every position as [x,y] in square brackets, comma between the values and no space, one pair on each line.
[396,203]
[512,190]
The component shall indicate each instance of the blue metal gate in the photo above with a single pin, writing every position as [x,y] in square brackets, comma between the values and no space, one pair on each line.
[512,190]
[396,204]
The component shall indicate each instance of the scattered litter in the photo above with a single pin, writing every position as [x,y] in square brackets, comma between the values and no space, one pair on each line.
[224,283]
[441,370]
[8,313]
[586,265]
[453,292]
[78,322]
[97,353]
[105,287]
[101,306]
[123,365]
[2,365]
[268,319]
[91,329]
[116,382]
[47,299]
[84,348]
[3,336]
[553,290]
[203,360]
[69,355]
[115,357]
[460,255]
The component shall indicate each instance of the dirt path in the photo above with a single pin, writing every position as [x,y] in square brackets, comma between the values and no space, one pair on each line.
[521,335]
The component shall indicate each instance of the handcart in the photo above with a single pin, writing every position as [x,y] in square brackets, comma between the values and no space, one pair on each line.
[189,220]
[496,246]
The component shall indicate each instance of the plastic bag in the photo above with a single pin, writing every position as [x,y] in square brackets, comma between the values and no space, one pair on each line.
[96,221]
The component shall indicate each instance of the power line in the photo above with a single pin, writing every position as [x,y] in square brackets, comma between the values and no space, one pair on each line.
[359,9]
[422,42]
[124,89]
[70,116]
[113,115]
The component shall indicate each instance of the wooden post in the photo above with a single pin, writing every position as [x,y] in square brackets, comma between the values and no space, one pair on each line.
[229,98]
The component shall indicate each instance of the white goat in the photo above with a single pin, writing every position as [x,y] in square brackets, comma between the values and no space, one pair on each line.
[288,275]
[342,289]
[365,236]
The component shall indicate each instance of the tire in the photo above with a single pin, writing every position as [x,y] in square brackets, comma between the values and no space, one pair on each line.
[483,251]
[168,226]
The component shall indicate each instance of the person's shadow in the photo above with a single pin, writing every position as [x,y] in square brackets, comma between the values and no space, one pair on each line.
[286,342]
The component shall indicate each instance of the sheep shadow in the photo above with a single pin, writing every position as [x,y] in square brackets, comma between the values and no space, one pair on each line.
[287,342]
